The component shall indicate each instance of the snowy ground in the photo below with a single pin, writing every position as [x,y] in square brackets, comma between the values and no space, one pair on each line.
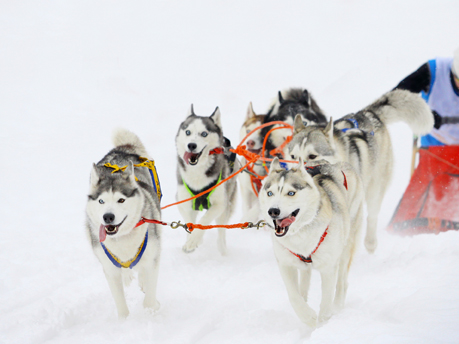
[72,71]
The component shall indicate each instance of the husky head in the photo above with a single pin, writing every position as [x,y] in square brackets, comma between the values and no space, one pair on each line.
[254,142]
[297,102]
[114,201]
[197,136]
[289,198]
[312,143]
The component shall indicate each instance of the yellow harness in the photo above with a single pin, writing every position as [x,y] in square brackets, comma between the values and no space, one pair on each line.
[150,164]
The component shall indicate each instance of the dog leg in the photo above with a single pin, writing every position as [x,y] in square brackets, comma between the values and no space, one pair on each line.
[373,206]
[115,283]
[148,277]
[301,308]
[328,279]
[341,283]
[305,281]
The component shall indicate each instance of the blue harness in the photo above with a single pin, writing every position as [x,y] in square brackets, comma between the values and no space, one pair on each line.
[130,263]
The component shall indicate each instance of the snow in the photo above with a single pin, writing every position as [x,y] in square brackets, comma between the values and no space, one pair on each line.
[71,72]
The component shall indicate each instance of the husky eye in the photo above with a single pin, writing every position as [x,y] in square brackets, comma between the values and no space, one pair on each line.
[312,156]
[204,134]
[292,156]
[188,133]
[270,193]
[291,193]
[121,200]
[101,201]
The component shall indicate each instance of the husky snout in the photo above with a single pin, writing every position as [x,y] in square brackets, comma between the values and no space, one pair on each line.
[274,212]
[109,218]
[192,146]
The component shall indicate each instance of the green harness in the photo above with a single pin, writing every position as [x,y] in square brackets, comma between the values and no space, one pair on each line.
[202,202]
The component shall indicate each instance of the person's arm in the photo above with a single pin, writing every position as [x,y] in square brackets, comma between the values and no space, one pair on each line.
[417,81]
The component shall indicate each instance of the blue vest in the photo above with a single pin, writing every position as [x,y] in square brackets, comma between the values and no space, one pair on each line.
[443,99]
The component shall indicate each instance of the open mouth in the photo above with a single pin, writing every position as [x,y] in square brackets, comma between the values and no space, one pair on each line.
[281,226]
[105,230]
[191,158]
[255,151]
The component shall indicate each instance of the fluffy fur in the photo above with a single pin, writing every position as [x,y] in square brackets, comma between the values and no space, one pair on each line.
[366,147]
[288,104]
[116,203]
[197,170]
[301,207]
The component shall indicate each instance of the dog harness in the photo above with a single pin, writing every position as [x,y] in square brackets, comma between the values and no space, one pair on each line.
[308,259]
[130,263]
[355,125]
[202,202]
[144,162]
[313,171]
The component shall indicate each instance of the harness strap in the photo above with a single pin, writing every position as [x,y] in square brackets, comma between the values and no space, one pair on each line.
[218,150]
[202,202]
[345,180]
[308,259]
[130,263]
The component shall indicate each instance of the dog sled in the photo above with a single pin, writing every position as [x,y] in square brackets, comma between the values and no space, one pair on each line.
[430,203]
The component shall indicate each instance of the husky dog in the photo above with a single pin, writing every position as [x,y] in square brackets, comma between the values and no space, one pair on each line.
[289,103]
[201,165]
[362,140]
[316,216]
[248,182]
[116,203]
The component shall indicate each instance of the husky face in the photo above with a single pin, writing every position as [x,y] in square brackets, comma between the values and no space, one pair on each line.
[114,202]
[312,143]
[254,142]
[289,198]
[197,136]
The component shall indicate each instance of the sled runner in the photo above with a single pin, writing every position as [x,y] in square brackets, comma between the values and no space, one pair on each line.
[431,201]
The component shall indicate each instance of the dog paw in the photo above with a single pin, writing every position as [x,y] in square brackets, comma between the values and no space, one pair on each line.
[309,317]
[371,244]
[188,248]
[153,306]
[324,316]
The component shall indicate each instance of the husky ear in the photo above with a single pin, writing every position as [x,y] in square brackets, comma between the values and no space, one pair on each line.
[275,165]
[328,131]
[216,117]
[250,112]
[191,111]
[298,125]
[129,172]
[306,98]
[281,100]
[95,178]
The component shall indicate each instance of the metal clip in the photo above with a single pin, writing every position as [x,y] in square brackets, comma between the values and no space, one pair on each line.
[258,225]
[175,225]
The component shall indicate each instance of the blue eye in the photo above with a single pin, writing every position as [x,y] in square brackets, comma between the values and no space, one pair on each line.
[270,193]
[291,193]
[101,201]
[188,133]
[204,134]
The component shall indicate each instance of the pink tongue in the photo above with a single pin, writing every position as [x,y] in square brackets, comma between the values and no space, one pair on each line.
[102,233]
[286,222]
[187,157]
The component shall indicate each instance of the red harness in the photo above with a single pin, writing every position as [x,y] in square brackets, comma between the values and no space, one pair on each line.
[218,150]
[308,259]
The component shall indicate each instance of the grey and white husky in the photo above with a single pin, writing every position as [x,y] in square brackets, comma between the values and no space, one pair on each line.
[316,216]
[288,104]
[117,200]
[200,166]
[362,139]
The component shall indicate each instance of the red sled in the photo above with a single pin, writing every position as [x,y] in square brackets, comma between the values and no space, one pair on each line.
[431,201]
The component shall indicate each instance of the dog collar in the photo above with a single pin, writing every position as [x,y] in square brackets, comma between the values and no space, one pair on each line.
[130,263]
[308,259]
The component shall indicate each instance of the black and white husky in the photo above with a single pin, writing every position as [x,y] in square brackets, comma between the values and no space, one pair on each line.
[362,139]
[201,165]
[117,200]
[316,216]
[288,104]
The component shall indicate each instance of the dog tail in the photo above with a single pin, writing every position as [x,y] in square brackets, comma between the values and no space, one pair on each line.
[124,137]
[405,106]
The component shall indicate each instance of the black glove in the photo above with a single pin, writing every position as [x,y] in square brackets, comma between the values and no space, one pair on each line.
[437,120]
